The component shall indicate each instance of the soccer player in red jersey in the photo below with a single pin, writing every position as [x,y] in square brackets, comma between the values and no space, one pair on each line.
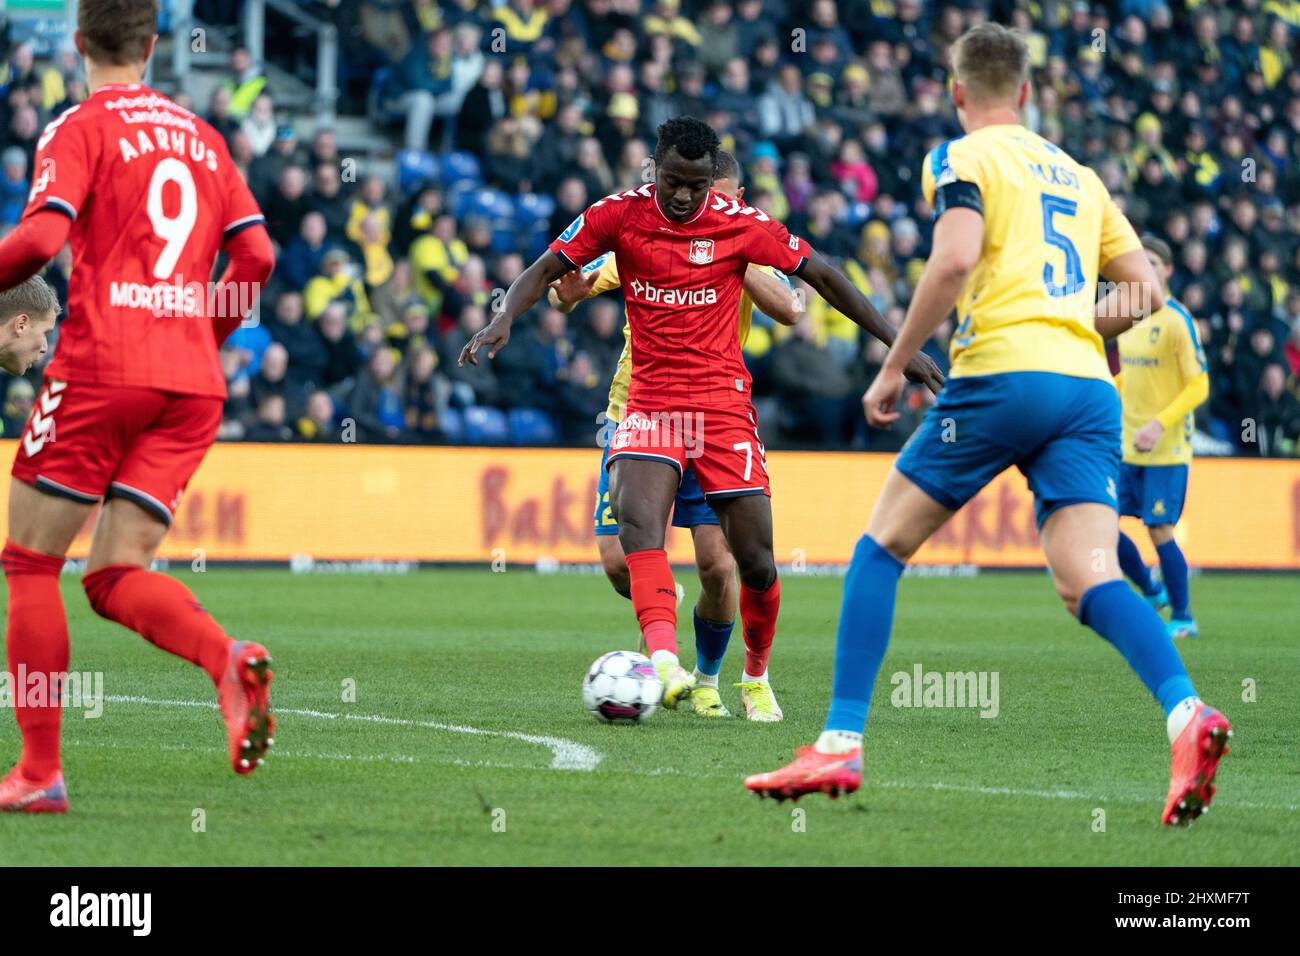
[147,195]
[682,253]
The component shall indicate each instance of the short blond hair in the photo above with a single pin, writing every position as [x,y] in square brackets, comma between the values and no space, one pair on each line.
[33,297]
[990,61]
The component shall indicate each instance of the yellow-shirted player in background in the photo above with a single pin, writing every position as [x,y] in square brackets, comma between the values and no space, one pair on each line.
[715,612]
[1162,380]
[1021,233]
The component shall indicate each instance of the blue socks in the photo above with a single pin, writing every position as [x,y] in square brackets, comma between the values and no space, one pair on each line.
[711,639]
[866,618]
[1173,568]
[1173,571]
[1115,612]
[1134,568]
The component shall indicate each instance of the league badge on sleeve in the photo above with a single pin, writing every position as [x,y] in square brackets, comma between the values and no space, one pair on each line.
[701,251]
[575,227]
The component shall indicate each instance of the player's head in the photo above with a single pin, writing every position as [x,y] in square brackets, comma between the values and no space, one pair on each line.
[27,314]
[1159,255]
[990,66]
[685,157]
[117,33]
[726,175]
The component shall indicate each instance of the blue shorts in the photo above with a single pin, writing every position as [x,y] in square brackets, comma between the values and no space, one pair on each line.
[1062,432]
[1153,493]
[689,510]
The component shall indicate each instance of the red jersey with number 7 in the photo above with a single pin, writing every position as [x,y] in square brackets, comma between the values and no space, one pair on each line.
[153,194]
[682,283]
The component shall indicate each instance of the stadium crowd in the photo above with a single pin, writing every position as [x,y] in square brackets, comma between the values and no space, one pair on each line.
[509,118]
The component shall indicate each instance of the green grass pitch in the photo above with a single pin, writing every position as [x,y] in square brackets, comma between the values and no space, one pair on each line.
[458,672]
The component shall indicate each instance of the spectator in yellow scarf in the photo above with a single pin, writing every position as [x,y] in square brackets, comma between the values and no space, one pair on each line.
[1275,54]
[436,258]
[524,22]
[666,18]
[765,179]
[875,251]
[339,281]
[374,247]
[1150,146]
[526,99]
[370,202]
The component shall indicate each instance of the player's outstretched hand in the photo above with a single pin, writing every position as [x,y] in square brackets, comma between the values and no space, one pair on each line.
[881,401]
[923,370]
[1149,436]
[572,287]
[494,336]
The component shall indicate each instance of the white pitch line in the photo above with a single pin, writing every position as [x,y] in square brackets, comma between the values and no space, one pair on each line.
[569,755]
[998,791]
[565,754]
[1061,794]
[279,754]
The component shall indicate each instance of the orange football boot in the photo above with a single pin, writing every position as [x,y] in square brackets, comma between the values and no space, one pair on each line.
[244,695]
[810,772]
[1196,755]
[20,795]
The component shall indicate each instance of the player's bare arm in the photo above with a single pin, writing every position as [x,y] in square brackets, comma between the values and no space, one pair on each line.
[571,288]
[958,237]
[772,297]
[836,288]
[1195,391]
[522,295]
[1149,435]
[1136,291]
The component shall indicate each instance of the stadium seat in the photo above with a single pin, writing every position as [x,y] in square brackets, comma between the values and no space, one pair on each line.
[538,240]
[460,167]
[415,167]
[486,426]
[533,208]
[453,425]
[505,238]
[455,195]
[528,426]
[490,204]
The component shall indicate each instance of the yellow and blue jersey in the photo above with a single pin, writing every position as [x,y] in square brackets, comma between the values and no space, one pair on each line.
[1159,356]
[1030,385]
[1049,227]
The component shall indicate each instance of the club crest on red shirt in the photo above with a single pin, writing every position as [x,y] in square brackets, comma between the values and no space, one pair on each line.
[701,251]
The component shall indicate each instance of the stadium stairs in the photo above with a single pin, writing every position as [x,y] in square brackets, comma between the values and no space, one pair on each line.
[357,136]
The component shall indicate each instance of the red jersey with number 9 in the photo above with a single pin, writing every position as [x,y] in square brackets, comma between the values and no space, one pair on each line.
[153,194]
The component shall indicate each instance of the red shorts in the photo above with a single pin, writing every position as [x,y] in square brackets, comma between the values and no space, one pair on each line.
[720,444]
[87,441]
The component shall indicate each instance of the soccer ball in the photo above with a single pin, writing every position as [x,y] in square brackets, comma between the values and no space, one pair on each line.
[622,688]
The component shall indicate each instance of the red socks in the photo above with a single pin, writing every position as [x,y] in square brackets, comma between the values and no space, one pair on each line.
[162,610]
[758,611]
[154,605]
[654,597]
[37,639]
